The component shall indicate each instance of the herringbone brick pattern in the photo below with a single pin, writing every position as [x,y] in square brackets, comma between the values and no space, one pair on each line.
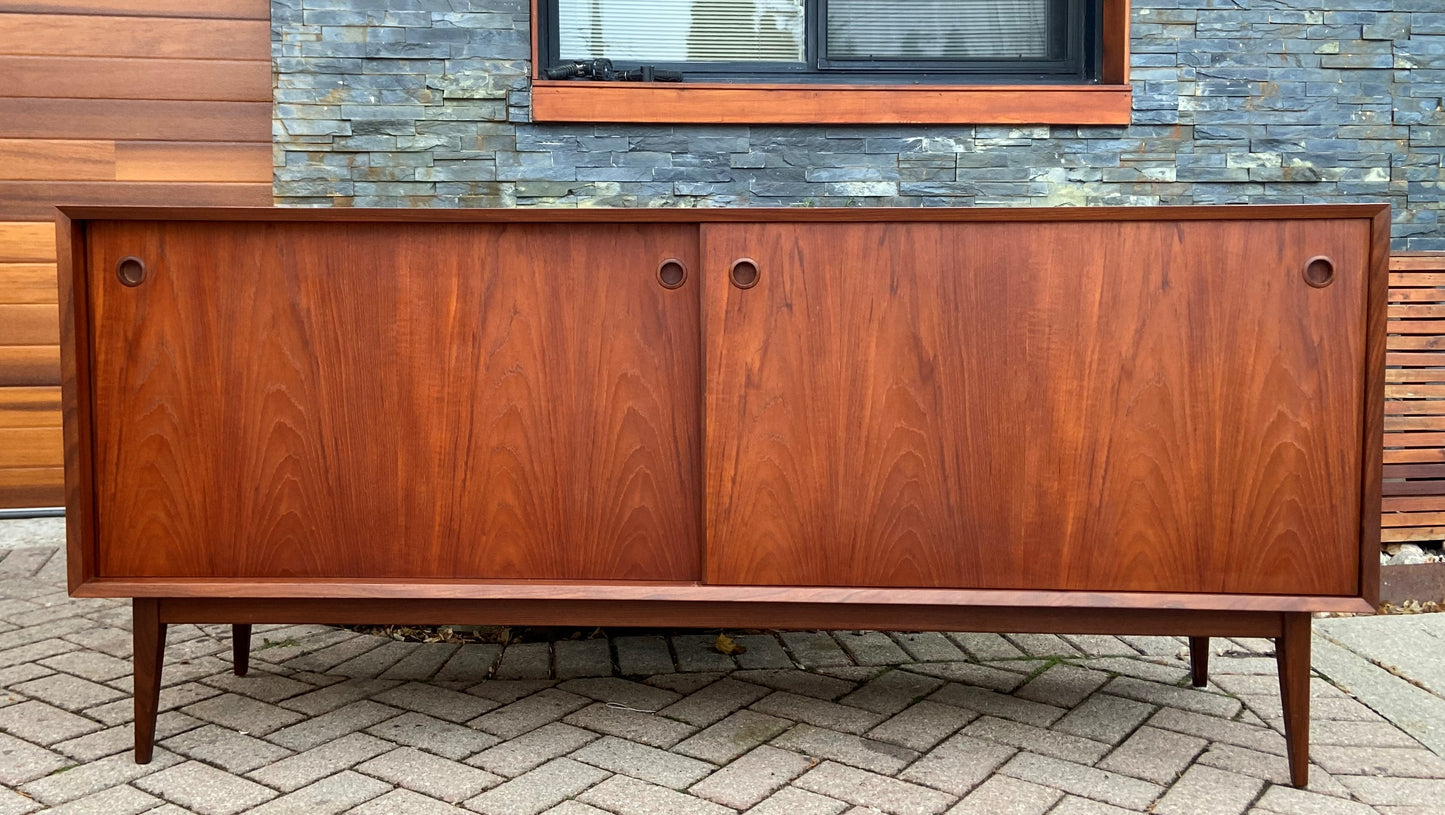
[804,722]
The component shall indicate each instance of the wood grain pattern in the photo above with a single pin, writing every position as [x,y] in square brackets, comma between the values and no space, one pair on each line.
[56,160]
[204,162]
[228,9]
[29,325]
[27,242]
[868,426]
[30,407]
[27,283]
[135,119]
[30,446]
[444,401]
[66,35]
[25,487]
[716,103]
[29,365]
[38,199]
[76,77]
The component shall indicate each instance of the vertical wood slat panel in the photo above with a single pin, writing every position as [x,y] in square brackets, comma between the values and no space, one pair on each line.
[1417,300]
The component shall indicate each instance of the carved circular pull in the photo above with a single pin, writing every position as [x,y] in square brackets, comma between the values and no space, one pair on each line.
[744,273]
[1319,271]
[131,270]
[672,273]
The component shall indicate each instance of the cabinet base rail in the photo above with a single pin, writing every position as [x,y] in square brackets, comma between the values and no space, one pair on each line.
[1289,630]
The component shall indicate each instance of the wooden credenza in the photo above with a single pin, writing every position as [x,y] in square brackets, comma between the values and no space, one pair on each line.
[1142,420]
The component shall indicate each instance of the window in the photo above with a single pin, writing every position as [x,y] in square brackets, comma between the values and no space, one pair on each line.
[1018,61]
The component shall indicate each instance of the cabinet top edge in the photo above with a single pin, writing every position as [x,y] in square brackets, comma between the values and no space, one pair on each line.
[1218,212]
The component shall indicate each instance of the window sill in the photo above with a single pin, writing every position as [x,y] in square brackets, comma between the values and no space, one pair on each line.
[708,103]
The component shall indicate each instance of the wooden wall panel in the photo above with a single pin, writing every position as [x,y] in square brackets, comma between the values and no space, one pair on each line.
[52,35]
[1414,502]
[109,102]
[123,78]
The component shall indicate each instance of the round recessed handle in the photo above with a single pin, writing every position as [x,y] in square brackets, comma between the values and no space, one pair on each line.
[1319,271]
[744,273]
[131,271]
[672,273]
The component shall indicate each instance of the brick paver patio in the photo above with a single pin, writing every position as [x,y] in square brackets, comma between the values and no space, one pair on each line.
[841,722]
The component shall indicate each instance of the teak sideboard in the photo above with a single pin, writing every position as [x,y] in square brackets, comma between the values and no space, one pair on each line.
[1138,420]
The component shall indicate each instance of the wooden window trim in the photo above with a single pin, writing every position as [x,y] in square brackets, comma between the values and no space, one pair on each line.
[1107,103]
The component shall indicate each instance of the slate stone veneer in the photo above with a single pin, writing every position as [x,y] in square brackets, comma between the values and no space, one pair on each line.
[425,103]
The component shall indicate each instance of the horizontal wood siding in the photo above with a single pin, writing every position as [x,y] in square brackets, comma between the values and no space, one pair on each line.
[109,102]
[1414,502]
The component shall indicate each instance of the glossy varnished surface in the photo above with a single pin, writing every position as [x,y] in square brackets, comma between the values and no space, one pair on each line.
[1112,407]
[345,400]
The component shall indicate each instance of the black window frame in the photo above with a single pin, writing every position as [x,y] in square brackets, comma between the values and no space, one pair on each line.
[1081,64]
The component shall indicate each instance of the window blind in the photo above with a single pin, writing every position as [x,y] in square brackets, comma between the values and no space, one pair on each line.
[681,30]
[937,29]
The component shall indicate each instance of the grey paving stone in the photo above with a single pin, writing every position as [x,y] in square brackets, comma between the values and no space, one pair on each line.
[122,710]
[428,774]
[1406,762]
[763,651]
[628,796]
[623,691]
[531,749]
[112,801]
[642,656]
[538,789]
[1062,685]
[472,662]
[696,652]
[1287,800]
[645,763]
[448,740]
[525,660]
[337,793]
[122,737]
[752,777]
[205,790]
[814,649]
[1154,646]
[1083,781]
[13,803]
[1043,645]
[21,761]
[507,691]
[922,725]
[34,651]
[1266,767]
[855,751]
[647,728]
[575,808]
[406,802]
[1099,645]
[872,790]
[336,696]
[332,757]
[1001,795]
[1416,792]
[1352,734]
[871,647]
[1105,718]
[1154,755]
[969,673]
[1221,730]
[375,661]
[436,701]
[831,715]
[806,683]
[329,726]
[714,702]
[793,801]
[985,646]
[91,665]
[231,751]
[731,737]
[422,662]
[892,691]
[1198,701]
[1152,669]
[1036,739]
[529,713]
[328,658]
[1208,791]
[1073,805]
[997,704]
[577,658]
[260,685]
[24,672]
[242,714]
[928,646]
[683,683]
[43,724]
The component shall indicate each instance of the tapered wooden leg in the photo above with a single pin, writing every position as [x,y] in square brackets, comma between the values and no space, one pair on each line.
[1199,660]
[240,648]
[150,646]
[1292,653]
